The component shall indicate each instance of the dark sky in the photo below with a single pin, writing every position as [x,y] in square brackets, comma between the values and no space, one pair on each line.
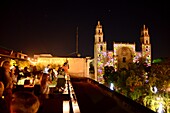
[35,27]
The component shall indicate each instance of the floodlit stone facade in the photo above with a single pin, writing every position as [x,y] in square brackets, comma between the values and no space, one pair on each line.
[122,54]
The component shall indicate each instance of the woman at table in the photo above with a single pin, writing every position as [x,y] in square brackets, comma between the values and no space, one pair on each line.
[45,84]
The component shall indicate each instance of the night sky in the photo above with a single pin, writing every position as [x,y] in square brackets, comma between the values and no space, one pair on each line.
[38,26]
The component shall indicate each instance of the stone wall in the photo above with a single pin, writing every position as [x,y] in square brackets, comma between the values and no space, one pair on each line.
[77,66]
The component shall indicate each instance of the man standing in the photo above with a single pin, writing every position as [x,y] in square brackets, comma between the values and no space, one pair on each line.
[47,68]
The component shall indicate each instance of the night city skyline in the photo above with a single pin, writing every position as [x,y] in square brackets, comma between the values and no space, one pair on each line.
[50,27]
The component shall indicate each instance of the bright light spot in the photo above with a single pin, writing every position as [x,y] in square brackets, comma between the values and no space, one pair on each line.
[66,107]
[112,86]
[155,89]
[160,109]
[12,67]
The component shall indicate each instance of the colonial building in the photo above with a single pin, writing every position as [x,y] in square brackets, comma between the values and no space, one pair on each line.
[10,54]
[122,53]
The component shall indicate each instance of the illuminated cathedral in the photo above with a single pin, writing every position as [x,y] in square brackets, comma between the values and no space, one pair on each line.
[122,53]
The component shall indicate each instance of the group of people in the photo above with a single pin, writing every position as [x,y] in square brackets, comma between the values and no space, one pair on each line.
[18,102]
[24,102]
[49,74]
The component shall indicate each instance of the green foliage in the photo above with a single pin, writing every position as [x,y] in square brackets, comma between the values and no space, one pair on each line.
[157,60]
[160,76]
[23,63]
[108,74]
[153,101]
[40,66]
[132,83]
[136,94]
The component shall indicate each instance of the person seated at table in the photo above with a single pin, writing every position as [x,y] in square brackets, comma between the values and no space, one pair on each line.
[3,104]
[24,102]
[26,72]
[61,74]
[45,84]
[29,80]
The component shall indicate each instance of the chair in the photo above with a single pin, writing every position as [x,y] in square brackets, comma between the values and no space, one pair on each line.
[61,83]
[37,90]
[19,88]
[27,82]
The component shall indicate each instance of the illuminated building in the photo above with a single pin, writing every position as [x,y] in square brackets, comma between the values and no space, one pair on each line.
[7,54]
[122,54]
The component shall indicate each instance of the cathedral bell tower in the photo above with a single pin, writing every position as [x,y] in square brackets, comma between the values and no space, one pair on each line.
[99,53]
[146,45]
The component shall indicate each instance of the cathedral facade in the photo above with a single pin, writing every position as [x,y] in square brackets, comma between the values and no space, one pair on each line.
[122,53]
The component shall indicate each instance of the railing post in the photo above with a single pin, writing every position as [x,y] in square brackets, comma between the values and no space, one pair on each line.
[70,101]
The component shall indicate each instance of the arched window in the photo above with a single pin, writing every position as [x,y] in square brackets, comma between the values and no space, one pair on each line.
[147,42]
[101,48]
[99,39]
[124,59]
[146,49]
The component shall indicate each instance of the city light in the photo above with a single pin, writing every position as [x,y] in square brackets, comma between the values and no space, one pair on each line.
[111,86]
